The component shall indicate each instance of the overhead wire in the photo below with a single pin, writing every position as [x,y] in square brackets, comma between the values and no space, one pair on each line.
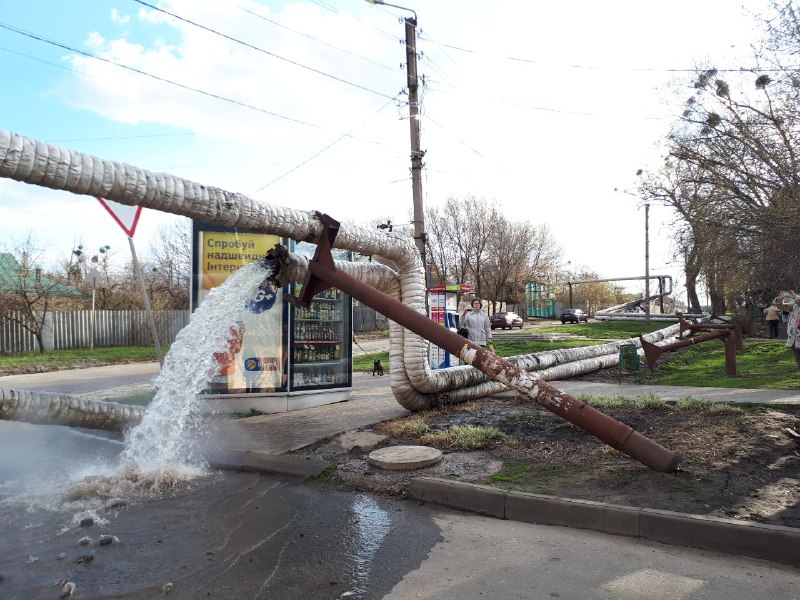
[156,77]
[602,67]
[261,50]
[152,95]
[316,39]
[331,144]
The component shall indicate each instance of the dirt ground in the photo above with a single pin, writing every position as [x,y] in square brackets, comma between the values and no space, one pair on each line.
[740,464]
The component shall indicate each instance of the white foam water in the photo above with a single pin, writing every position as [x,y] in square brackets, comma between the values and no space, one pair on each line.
[168,440]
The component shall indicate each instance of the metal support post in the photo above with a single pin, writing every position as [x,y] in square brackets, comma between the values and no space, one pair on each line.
[147,309]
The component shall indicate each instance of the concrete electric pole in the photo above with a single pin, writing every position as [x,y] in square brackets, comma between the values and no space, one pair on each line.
[413,117]
[647,262]
[416,152]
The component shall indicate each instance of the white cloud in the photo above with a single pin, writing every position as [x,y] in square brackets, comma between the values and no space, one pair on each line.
[549,136]
[118,18]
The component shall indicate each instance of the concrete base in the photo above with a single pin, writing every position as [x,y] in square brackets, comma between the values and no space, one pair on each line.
[275,402]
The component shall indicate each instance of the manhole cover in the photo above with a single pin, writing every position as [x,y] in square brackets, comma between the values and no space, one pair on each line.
[405,457]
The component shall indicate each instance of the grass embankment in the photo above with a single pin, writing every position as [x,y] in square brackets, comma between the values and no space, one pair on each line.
[74,358]
[763,364]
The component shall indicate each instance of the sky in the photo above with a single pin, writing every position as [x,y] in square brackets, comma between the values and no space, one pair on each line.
[546,109]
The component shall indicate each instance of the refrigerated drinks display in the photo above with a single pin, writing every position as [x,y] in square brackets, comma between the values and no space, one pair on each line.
[320,350]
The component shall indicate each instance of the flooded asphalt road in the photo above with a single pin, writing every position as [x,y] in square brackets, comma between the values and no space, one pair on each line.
[228,535]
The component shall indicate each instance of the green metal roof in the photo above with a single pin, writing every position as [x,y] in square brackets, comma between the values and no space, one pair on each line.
[11,279]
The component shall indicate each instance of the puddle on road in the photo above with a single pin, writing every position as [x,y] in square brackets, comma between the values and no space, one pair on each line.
[371,526]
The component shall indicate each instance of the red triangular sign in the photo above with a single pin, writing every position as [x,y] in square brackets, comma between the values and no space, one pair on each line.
[126,216]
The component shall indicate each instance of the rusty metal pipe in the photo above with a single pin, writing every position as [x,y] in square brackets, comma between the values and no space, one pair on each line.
[735,327]
[652,351]
[322,274]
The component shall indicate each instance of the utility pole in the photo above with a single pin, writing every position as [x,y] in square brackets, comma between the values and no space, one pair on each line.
[647,262]
[413,117]
[416,152]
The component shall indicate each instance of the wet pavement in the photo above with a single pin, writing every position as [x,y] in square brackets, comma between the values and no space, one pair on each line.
[226,535]
[245,535]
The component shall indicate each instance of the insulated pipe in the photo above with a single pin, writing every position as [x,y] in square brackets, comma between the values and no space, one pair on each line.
[323,274]
[61,409]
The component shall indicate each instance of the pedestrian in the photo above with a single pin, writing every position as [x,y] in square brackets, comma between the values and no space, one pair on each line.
[477,323]
[789,300]
[792,332]
[772,314]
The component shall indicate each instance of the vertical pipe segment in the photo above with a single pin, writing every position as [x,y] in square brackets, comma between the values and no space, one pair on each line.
[323,274]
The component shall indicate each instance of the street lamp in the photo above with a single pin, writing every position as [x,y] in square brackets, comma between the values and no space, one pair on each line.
[413,111]
[94,279]
[389,225]
[646,252]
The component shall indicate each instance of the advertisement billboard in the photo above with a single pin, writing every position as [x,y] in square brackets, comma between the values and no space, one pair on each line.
[255,357]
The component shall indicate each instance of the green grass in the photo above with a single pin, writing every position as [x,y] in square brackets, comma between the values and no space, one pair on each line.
[608,330]
[653,401]
[54,360]
[517,347]
[362,362]
[761,365]
[519,472]
[466,437]
[648,401]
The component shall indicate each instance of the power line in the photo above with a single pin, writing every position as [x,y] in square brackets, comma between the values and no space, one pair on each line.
[601,67]
[461,141]
[124,137]
[205,110]
[267,52]
[315,155]
[156,77]
[311,37]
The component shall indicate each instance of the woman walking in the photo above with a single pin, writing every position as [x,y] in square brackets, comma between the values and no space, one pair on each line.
[477,323]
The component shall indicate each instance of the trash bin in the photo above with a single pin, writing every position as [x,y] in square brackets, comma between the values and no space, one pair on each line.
[628,359]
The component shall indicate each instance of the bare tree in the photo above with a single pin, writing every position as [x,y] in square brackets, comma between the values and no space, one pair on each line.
[170,265]
[471,241]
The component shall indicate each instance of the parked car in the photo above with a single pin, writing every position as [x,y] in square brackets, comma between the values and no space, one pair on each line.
[574,315]
[506,320]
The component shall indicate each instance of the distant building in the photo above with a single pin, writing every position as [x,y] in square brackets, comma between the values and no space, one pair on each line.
[539,300]
[14,279]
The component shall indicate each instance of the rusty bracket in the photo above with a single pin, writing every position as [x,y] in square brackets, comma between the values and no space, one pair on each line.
[323,258]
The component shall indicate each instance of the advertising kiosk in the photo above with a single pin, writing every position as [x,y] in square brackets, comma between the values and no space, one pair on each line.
[278,357]
[443,305]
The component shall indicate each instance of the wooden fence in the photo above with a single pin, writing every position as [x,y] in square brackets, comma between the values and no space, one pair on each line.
[72,329]
[364,319]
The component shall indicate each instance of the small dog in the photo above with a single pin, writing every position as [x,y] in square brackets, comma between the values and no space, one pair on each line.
[377,368]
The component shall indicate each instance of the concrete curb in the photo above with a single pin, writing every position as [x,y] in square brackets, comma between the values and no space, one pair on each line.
[767,542]
[247,460]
